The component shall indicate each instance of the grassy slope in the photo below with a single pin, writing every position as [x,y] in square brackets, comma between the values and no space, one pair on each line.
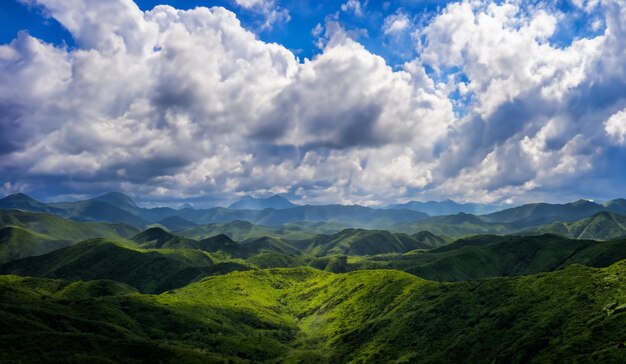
[17,243]
[576,314]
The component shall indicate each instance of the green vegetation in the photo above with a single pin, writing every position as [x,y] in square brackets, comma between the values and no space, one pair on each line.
[24,234]
[458,225]
[601,226]
[498,256]
[242,230]
[289,315]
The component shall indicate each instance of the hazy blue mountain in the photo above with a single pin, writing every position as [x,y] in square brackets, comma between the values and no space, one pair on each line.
[447,207]
[20,201]
[544,213]
[121,201]
[617,205]
[252,203]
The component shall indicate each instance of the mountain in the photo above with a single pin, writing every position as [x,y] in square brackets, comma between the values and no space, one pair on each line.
[430,240]
[499,256]
[17,243]
[252,203]
[157,238]
[24,234]
[93,210]
[242,230]
[601,226]
[617,206]
[361,242]
[121,201]
[147,270]
[306,315]
[458,225]
[447,207]
[544,213]
[20,201]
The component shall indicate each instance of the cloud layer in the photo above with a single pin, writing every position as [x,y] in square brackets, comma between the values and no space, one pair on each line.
[171,103]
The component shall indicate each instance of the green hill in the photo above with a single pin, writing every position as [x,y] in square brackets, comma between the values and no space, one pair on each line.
[499,256]
[25,234]
[242,230]
[304,315]
[366,242]
[458,225]
[157,238]
[146,270]
[601,226]
[544,213]
[17,243]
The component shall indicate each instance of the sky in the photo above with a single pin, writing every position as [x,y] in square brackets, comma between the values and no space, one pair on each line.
[353,102]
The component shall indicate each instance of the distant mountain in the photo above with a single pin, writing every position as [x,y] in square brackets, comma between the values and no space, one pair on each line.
[242,230]
[617,205]
[447,207]
[601,226]
[252,203]
[121,201]
[20,201]
[543,213]
[94,210]
[458,225]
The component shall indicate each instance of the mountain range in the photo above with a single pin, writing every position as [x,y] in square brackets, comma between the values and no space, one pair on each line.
[104,280]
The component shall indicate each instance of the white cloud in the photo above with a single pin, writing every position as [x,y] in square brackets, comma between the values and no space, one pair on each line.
[187,103]
[396,23]
[354,6]
[615,127]
[271,12]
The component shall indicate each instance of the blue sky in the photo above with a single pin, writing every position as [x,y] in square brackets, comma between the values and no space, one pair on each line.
[365,102]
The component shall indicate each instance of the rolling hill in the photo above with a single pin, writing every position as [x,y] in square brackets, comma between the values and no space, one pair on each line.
[305,315]
[146,270]
[366,242]
[499,256]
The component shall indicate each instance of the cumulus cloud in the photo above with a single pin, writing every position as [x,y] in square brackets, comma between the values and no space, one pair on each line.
[189,103]
[396,23]
[354,6]
[268,9]
[615,127]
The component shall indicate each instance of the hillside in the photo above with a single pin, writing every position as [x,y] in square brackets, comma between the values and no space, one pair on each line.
[29,233]
[157,238]
[17,243]
[499,256]
[601,226]
[573,315]
[544,213]
[366,242]
[146,270]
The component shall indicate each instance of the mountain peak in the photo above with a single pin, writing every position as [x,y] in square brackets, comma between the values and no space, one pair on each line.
[119,200]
